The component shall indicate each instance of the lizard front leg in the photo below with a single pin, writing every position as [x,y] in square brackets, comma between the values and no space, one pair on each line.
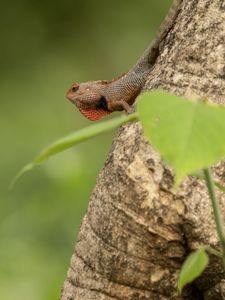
[120,105]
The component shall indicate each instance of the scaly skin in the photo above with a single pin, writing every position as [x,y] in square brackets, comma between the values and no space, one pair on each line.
[95,99]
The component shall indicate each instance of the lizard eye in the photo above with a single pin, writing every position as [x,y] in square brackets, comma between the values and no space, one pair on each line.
[75,88]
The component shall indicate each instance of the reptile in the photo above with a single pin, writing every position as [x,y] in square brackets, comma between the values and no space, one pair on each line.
[96,99]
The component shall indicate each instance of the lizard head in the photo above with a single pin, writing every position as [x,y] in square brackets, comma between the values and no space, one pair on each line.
[88,99]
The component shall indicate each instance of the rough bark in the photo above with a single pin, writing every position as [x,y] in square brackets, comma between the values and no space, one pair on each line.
[137,232]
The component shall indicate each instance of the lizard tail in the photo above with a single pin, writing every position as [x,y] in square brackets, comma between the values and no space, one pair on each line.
[151,53]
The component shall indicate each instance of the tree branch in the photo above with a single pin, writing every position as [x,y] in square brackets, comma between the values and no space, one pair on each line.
[137,232]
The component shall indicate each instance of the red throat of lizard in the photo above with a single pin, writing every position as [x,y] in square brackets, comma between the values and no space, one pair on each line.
[94,114]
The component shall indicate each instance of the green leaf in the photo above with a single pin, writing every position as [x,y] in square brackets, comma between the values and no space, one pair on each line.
[188,134]
[73,139]
[192,268]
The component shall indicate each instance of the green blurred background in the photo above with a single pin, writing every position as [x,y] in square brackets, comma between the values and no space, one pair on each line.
[45,46]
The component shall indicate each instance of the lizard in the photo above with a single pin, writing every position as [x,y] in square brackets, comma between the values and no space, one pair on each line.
[96,99]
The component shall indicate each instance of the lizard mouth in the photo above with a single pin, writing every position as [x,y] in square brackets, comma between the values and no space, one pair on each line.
[70,96]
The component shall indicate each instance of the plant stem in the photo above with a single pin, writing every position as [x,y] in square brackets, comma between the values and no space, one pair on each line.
[216,211]
[213,251]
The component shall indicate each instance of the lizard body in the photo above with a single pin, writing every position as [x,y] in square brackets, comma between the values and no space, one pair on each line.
[95,99]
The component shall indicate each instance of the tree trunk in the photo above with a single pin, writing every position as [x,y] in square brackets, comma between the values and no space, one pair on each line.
[137,231]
